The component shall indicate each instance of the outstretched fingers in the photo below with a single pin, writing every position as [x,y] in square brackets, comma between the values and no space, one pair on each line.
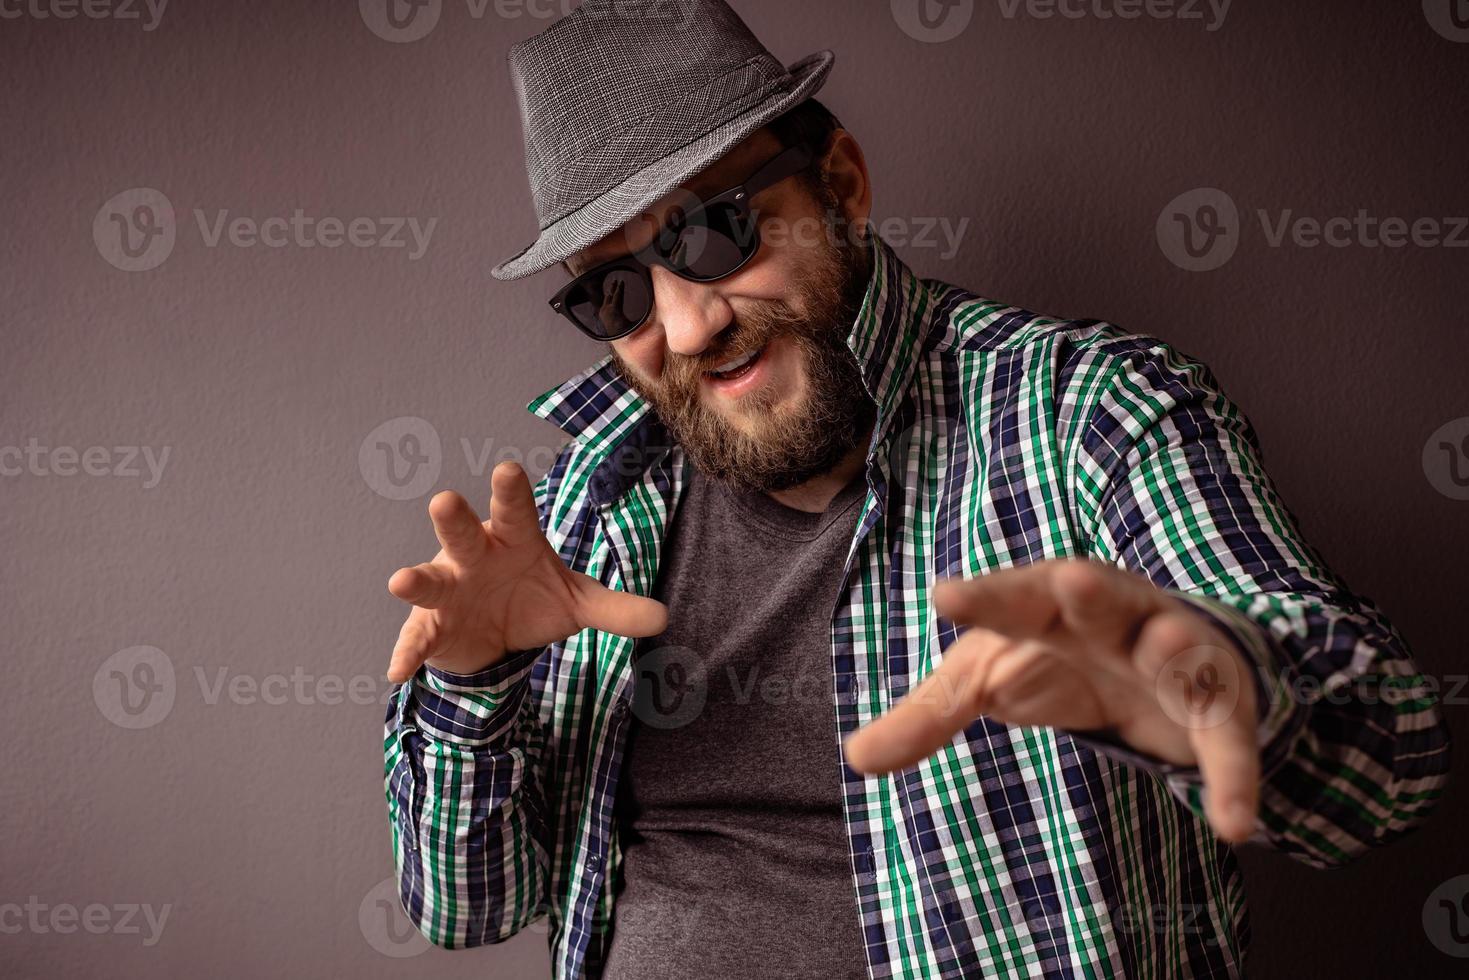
[1102,603]
[943,704]
[426,586]
[619,613]
[1229,761]
[1016,601]
[1205,687]
[457,527]
[416,642]
[513,515]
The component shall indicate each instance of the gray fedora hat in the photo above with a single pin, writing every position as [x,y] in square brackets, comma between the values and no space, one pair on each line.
[622,100]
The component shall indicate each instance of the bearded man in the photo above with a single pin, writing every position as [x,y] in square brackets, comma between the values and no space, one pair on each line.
[865,627]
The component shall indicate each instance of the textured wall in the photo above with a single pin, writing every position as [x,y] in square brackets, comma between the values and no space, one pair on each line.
[190,435]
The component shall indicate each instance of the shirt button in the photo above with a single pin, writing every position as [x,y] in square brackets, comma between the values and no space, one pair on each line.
[594,863]
[619,710]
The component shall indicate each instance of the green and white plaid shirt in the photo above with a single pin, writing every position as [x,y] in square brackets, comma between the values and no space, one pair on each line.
[1002,438]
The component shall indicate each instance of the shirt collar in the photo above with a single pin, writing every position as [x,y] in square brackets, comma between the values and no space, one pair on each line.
[889,332]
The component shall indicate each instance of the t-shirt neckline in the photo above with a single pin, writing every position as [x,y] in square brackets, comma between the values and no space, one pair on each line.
[774,517]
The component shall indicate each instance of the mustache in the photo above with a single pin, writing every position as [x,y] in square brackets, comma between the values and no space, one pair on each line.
[748,333]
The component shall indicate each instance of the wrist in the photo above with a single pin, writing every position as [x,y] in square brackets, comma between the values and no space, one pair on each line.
[1279,715]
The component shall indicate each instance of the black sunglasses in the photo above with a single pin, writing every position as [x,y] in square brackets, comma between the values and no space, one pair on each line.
[709,241]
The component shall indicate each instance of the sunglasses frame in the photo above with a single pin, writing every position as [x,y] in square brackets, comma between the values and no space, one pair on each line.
[787,163]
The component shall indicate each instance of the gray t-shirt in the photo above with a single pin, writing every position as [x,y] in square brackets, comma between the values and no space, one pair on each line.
[735,855]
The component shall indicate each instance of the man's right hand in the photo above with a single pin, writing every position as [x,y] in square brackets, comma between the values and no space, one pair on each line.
[497,587]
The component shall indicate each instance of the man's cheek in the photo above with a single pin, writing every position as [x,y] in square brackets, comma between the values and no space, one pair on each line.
[643,361]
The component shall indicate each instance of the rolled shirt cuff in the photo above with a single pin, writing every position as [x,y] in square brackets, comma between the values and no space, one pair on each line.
[471,709]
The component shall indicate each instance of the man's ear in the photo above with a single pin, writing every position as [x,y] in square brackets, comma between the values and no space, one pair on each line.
[846,168]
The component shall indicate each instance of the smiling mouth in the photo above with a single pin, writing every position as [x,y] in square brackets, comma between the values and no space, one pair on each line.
[737,367]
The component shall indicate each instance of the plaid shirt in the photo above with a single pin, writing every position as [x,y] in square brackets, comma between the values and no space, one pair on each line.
[1002,437]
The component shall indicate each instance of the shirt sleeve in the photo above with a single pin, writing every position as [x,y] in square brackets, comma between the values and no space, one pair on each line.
[464,779]
[1170,485]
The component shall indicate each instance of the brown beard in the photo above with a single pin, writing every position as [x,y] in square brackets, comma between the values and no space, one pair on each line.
[784,448]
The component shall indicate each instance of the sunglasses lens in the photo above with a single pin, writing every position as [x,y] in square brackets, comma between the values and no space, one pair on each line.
[612,304]
[711,243]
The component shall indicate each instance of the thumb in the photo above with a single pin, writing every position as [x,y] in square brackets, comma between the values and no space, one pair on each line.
[621,613]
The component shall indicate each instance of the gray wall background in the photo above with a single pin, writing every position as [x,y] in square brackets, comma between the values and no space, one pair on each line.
[249,806]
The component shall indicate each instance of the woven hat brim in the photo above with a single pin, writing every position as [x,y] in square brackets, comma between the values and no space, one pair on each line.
[606,213]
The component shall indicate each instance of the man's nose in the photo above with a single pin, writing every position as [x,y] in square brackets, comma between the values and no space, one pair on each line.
[691,313]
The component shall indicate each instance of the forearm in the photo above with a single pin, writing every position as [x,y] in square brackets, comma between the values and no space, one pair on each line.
[1353,748]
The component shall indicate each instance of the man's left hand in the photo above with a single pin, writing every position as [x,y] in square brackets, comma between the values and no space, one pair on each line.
[1080,645]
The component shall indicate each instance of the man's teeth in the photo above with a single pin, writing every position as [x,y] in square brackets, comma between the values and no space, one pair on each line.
[738,362]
